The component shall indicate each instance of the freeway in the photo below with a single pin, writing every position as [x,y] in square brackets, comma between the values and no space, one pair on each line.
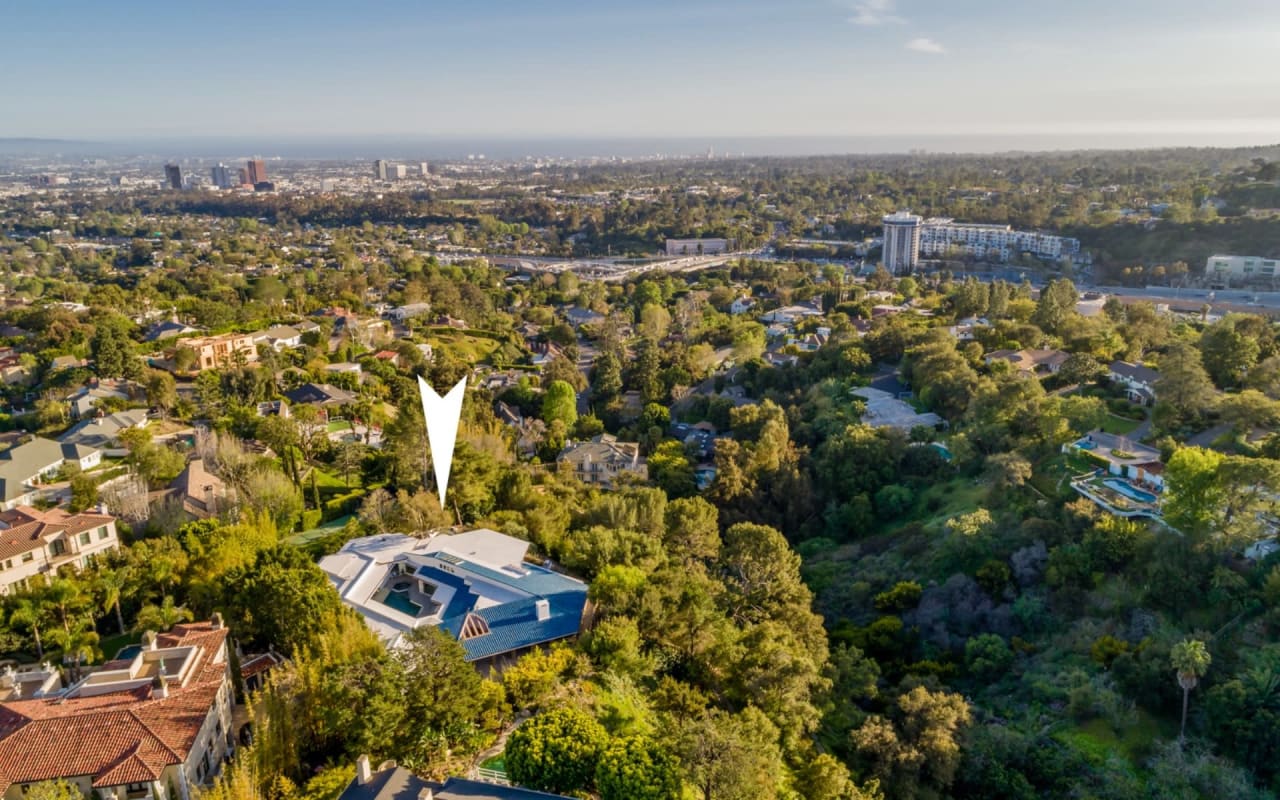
[604,269]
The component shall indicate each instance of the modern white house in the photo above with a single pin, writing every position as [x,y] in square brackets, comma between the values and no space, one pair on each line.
[153,725]
[1123,457]
[477,586]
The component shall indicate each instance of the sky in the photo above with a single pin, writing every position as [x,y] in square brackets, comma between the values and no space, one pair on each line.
[84,69]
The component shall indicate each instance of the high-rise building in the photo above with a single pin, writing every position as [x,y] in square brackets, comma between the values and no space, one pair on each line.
[397,172]
[901,242]
[173,174]
[257,170]
[221,176]
[380,169]
[426,169]
[244,176]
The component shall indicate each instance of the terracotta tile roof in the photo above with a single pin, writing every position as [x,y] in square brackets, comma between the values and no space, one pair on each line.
[118,736]
[131,768]
[30,529]
[259,664]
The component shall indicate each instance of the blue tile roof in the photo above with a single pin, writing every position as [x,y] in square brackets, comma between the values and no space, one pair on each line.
[514,625]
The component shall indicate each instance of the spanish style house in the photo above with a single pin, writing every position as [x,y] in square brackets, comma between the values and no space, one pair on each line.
[152,726]
[34,542]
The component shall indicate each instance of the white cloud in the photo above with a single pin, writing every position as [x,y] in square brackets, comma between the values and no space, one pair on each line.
[874,12]
[924,44]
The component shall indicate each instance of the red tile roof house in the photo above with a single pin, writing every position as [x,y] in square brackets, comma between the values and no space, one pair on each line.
[34,542]
[150,727]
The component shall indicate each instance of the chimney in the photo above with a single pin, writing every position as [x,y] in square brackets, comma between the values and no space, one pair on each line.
[542,608]
[149,640]
[160,688]
[215,621]
[364,773]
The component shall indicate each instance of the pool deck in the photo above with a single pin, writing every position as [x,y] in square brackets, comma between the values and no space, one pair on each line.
[1113,501]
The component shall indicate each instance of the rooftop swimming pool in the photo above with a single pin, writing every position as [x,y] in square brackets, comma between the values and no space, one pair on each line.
[1127,489]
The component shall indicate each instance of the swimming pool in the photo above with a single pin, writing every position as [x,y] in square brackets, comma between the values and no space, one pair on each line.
[1124,488]
[399,600]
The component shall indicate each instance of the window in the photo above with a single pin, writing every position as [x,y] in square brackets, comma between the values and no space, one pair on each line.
[84,538]
[57,547]
[28,557]
[8,563]
[102,533]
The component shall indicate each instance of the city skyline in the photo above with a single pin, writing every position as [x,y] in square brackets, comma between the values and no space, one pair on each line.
[695,69]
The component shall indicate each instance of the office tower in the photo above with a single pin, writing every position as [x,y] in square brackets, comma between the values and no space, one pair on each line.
[221,176]
[397,172]
[380,169]
[257,171]
[901,242]
[426,169]
[244,176]
[173,174]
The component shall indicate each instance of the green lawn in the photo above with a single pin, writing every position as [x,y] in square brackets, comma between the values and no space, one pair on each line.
[471,349]
[1119,426]
[319,532]
[110,645]
[498,762]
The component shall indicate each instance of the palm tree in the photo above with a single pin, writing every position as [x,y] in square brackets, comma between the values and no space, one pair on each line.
[65,594]
[28,612]
[1191,660]
[162,617]
[78,643]
[112,583]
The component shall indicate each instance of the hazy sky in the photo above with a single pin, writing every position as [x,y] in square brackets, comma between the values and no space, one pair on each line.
[523,68]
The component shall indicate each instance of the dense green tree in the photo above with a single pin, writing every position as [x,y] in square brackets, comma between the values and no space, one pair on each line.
[635,768]
[556,751]
[281,599]
[560,402]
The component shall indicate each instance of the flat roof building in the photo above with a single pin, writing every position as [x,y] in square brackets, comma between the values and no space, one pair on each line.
[476,586]
[698,247]
[1240,269]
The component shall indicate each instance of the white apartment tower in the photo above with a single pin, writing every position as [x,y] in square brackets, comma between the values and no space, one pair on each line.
[902,242]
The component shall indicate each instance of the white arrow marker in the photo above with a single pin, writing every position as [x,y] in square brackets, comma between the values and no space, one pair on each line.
[442,415]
